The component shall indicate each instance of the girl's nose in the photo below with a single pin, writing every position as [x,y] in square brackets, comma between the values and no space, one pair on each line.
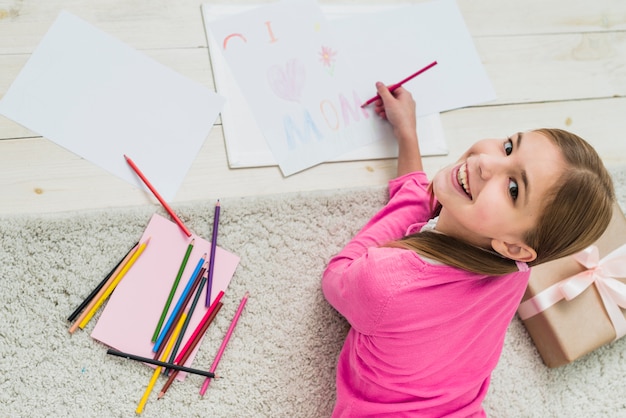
[489,165]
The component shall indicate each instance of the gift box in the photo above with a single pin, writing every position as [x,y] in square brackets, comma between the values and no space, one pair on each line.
[576,304]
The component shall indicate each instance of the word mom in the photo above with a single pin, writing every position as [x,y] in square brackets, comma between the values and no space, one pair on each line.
[335,116]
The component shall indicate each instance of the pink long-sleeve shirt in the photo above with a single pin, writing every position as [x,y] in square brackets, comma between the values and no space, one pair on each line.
[424,336]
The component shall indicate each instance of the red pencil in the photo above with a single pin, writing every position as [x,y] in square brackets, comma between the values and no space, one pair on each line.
[205,325]
[398,84]
[198,330]
[157,195]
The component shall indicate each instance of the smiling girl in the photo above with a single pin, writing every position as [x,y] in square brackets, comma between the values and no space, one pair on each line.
[431,283]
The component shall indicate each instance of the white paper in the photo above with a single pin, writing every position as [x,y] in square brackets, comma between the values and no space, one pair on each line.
[244,140]
[409,37]
[308,115]
[101,99]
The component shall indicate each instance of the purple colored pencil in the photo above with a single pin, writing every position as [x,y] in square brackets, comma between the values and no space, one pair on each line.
[209,285]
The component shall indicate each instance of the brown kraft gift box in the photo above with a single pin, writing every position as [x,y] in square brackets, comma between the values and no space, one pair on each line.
[569,329]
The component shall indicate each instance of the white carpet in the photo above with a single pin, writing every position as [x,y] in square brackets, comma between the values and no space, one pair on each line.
[280,361]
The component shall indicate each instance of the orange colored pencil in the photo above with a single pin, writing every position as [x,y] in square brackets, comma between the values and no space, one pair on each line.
[98,295]
[114,284]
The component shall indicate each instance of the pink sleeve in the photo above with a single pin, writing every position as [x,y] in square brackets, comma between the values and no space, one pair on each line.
[355,280]
[361,289]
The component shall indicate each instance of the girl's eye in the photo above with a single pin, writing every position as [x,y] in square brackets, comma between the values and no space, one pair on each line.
[508,146]
[513,189]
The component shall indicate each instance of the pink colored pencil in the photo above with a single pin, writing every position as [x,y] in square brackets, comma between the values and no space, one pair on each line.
[398,84]
[156,194]
[218,356]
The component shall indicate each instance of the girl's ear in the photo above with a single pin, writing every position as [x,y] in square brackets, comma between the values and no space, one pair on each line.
[517,252]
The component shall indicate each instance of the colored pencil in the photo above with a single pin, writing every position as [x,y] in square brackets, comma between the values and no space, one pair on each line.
[220,351]
[183,264]
[183,306]
[216,221]
[400,83]
[198,330]
[156,194]
[190,312]
[180,306]
[188,352]
[114,284]
[100,285]
[98,295]
[160,363]
[157,371]
[170,321]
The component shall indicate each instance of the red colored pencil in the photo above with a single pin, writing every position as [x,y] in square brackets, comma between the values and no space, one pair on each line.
[157,195]
[194,343]
[198,330]
[398,84]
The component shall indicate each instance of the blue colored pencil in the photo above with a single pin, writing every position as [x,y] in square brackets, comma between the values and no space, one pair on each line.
[192,308]
[179,303]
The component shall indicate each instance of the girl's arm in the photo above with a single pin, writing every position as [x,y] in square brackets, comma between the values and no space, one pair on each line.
[399,109]
[357,281]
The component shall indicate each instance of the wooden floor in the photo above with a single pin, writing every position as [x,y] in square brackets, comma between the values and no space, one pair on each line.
[553,63]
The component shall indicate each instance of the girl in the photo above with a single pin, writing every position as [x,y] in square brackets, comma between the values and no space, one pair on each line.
[432,281]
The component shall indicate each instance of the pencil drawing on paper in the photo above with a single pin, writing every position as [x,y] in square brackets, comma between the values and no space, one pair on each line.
[233,35]
[287,81]
[300,133]
[328,58]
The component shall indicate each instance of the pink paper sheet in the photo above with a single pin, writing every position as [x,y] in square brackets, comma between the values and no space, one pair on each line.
[133,310]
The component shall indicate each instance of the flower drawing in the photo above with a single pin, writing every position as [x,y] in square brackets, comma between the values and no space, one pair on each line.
[327,57]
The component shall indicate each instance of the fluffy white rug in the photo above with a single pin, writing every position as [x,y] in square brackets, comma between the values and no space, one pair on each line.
[280,361]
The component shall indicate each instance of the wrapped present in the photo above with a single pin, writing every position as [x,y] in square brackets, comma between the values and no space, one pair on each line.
[576,304]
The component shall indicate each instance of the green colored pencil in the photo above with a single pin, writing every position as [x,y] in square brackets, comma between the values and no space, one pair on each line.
[172,291]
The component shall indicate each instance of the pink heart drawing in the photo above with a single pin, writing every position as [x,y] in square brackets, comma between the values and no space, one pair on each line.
[287,82]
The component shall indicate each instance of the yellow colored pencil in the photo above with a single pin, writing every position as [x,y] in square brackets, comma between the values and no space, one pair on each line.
[157,371]
[97,296]
[115,282]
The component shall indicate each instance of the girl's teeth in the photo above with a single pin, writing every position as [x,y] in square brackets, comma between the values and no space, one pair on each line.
[462,179]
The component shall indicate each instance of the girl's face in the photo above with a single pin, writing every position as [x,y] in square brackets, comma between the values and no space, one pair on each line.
[494,193]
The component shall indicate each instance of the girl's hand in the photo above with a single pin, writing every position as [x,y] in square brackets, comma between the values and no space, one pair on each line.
[399,109]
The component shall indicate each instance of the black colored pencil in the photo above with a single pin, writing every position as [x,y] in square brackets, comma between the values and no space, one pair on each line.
[192,308]
[160,363]
[80,307]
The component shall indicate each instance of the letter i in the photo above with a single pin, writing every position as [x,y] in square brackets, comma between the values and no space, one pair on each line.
[270,32]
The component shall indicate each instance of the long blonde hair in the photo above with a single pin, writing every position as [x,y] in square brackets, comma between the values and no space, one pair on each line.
[576,212]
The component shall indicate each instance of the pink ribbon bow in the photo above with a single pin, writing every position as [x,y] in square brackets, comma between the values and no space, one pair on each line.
[602,273]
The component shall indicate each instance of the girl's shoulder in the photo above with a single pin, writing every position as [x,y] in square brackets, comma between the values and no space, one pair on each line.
[404,266]
[415,180]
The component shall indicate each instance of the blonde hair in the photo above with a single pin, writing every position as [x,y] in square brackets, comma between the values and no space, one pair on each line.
[576,212]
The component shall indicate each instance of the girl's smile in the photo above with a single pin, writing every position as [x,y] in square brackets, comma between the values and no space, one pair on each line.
[496,189]
[462,179]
